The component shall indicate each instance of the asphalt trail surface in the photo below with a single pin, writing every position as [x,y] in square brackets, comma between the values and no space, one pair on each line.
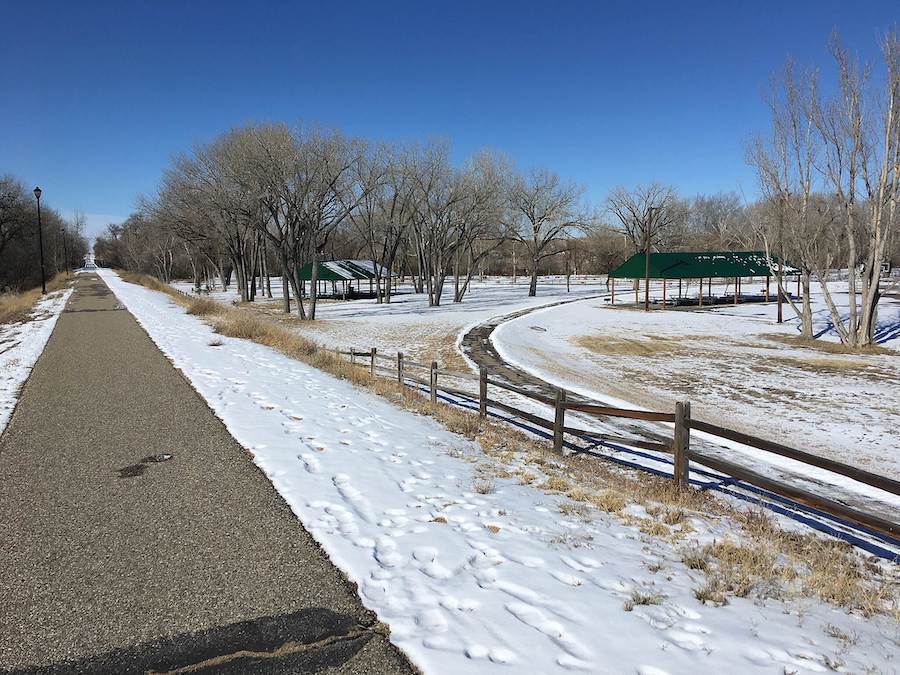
[136,534]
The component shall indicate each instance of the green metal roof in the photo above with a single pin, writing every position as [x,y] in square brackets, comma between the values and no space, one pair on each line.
[699,265]
[341,270]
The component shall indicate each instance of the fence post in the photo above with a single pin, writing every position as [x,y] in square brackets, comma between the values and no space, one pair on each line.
[482,392]
[434,381]
[352,355]
[559,420]
[400,368]
[372,366]
[682,443]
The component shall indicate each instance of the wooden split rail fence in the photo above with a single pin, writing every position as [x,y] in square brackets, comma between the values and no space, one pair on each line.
[680,446]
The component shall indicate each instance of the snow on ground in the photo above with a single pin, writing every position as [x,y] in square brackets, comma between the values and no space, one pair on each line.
[732,366]
[483,581]
[407,324]
[21,344]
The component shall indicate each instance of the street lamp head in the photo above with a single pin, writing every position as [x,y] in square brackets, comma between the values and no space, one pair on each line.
[37,193]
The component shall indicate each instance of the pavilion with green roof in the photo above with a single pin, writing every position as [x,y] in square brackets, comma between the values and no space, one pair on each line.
[706,265]
[344,272]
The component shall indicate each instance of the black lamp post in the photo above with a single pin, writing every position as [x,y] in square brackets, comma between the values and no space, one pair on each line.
[37,195]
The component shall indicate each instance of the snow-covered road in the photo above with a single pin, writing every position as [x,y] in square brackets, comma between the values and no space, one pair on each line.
[479,580]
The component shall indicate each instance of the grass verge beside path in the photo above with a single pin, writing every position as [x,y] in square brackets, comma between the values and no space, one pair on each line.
[15,307]
[756,558]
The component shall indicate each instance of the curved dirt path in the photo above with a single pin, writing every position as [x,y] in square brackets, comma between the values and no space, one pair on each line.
[476,344]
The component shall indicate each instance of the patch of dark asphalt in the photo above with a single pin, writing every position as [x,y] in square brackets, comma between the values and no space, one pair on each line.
[300,642]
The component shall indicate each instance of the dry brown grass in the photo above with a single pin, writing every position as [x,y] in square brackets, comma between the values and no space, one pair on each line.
[204,307]
[768,562]
[642,597]
[608,500]
[826,347]
[773,563]
[648,345]
[16,307]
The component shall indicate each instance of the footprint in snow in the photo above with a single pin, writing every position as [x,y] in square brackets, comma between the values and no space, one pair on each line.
[566,578]
[532,616]
[687,641]
[455,604]
[432,620]
[310,463]
[386,553]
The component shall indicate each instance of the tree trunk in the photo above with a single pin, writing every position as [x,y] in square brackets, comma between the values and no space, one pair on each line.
[532,286]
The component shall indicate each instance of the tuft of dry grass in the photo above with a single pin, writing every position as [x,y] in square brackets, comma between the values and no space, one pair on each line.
[484,486]
[608,500]
[556,484]
[204,307]
[641,597]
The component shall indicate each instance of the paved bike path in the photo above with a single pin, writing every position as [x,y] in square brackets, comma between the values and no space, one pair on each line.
[137,535]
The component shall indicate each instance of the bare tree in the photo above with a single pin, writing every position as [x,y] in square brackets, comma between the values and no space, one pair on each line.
[646,213]
[485,218]
[716,221]
[14,210]
[381,219]
[784,163]
[545,210]
[861,164]
[438,200]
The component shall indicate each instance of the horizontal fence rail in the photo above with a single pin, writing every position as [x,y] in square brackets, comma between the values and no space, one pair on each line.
[681,426]
[861,475]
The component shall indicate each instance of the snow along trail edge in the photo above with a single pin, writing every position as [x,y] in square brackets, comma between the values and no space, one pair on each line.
[476,582]
[21,344]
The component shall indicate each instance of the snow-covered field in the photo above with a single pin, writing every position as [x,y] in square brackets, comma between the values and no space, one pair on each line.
[734,367]
[409,325]
[20,346]
[483,581]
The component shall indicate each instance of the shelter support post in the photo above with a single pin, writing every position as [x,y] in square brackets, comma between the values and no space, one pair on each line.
[700,304]
[768,279]
[735,290]
[664,293]
[612,290]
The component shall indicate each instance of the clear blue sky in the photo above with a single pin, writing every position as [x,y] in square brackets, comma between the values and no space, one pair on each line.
[96,97]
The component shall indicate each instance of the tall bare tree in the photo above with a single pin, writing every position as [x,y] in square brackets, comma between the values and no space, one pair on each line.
[546,209]
[861,164]
[785,164]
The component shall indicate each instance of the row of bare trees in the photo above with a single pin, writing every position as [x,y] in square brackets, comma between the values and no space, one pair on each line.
[270,197]
[829,171]
[63,240]
[266,200]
